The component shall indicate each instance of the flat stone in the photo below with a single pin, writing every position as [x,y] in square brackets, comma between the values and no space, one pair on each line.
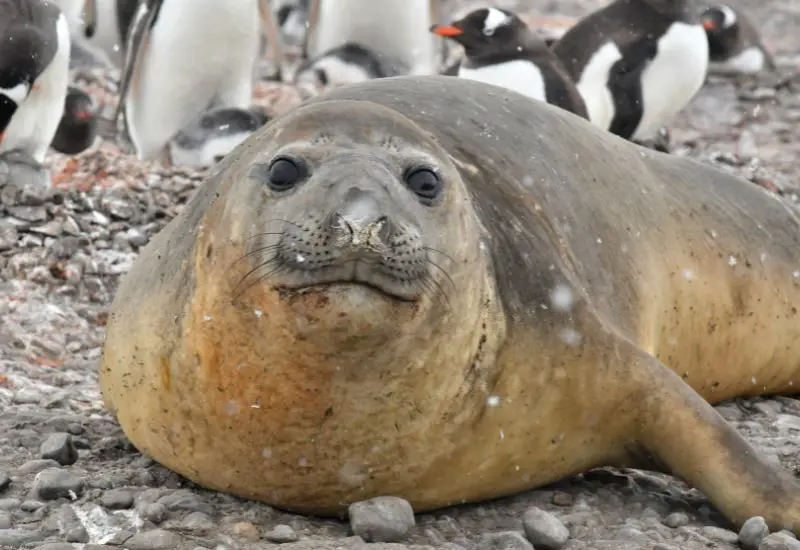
[381,519]
[59,447]
[56,483]
[543,529]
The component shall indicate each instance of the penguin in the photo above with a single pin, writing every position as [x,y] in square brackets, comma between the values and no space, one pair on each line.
[734,44]
[78,127]
[34,72]
[184,57]
[347,64]
[291,18]
[214,134]
[637,63]
[500,49]
[397,29]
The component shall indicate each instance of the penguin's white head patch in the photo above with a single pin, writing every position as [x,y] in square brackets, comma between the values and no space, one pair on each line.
[728,16]
[494,19]
[17,94]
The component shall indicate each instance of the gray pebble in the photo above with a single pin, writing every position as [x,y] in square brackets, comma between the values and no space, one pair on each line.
[154,512]
[15,538]
[9,503]
[77,534]
[381,519]
[753,532]
[662,546]
[27,397]
[56,483]
[157,539]
[543,529]
[198,523]
[506,540]
[55,546]
[676,519]
[36,466]
[720,534]
[779,541]
[186,501]
[117,499]
[31,505]
[5,480]
[59,447]
[281,533]
[5,520]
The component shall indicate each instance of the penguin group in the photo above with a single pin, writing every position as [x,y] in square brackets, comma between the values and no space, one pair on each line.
[188,68]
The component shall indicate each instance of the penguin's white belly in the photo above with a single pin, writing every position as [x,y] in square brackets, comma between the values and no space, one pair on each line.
[36,120]
[749,61]
[673,77]
[106,35]
[593,85]
[519,75]
[396,28]
[199,53]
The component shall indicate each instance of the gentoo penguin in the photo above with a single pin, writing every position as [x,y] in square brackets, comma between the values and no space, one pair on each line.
[213,135]
[636,63]
[184,57]
[34,70]
[94,30]
[291,17]
[347,64]
[734,44]
[397,29]
[500,49]
[78,127]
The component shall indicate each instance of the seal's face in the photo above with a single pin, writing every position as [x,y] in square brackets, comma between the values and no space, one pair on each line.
[356,201]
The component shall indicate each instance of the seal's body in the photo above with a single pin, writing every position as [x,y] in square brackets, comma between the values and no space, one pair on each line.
[637,63]
[735,46]
[500,49]
[164,87]
[399,288]
[397,29]
[34,67]
[213,135]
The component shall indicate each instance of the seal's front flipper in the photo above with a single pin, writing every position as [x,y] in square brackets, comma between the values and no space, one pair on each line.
[688,438]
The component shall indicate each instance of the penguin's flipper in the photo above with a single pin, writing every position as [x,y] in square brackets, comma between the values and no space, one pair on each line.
[138,36]
[273,35]
[89,18]
[625,85]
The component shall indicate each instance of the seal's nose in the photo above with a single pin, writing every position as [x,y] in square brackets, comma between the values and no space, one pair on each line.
[360,222]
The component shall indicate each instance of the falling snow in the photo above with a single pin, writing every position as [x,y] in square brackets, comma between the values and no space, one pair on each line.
[493,400]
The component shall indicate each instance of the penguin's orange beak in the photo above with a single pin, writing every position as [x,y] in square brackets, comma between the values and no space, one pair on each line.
[709,25]
[446,30]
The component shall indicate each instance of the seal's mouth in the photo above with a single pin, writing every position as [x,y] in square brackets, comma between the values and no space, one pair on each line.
[353,275]
[344,285]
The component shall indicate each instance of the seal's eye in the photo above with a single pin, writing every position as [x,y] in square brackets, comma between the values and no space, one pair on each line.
[284,173]
[424,182]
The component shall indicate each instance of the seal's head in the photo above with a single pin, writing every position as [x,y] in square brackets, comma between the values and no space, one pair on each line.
[356,209]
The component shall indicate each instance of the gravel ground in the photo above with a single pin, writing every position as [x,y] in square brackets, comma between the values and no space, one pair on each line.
[70,479]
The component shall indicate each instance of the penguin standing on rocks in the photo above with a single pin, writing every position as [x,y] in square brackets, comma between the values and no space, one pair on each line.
[184,57]
[734,44]
[500,49]
[78,127]
[396,29]
[213,135]
[34,72]
[347,64]
[637,63]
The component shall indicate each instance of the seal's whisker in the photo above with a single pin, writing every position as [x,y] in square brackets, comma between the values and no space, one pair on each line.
[446,255]
[444,272]
[436,292]
[265,263]
[252,253]
[260,279]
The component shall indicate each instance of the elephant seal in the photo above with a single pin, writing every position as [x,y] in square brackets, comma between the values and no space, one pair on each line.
[445,291]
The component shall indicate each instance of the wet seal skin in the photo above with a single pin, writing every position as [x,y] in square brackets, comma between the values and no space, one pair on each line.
[441,290]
